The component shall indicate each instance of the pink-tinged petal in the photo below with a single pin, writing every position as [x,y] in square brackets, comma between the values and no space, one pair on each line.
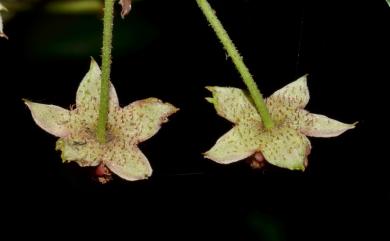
[239,143]
[285,148]
[293,96]
[126,7]
[321,126]
[128,162]
[88,93]
[141,119]
[80,149]
[2,34]
[50,118]
[233,104]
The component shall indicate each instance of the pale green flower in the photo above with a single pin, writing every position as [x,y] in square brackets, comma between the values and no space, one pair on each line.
[2,8]
[126,128]
[285,145]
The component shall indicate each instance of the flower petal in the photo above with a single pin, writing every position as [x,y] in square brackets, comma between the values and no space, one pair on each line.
[282,115]
[321,126]
[2,8]
[143,118]
[294,95]
[233,104]
[50,118]
[84,151]
[285,147]
[88,93]
[238,143]
[128,162]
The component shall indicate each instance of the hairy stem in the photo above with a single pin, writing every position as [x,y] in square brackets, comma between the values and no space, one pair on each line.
[106,69]
[238,62]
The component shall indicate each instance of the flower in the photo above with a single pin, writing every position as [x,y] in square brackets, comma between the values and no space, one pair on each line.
[2,8]
[284,145]
[126,128]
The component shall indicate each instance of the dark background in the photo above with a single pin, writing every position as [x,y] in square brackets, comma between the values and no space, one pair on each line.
[165,49]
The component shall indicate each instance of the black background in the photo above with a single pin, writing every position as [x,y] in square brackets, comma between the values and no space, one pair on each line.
[165,49]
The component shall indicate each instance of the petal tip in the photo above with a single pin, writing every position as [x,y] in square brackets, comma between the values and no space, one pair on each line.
[2,35]
[93,64]
[26,101]
[210,100]
[350,126]
[298,166]
[173,108]
[303,80]
[301,168]
[209,156]
[131,177]
[345,127]
[210,88]
[213,155]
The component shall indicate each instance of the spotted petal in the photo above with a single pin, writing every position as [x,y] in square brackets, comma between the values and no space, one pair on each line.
[285,147]
[321,126]
[294,95]
[50,118]
[128,162]
[88,93]
[239,143]
[143,118]
[2,8]
[233,104]
[84,151]
[285,103]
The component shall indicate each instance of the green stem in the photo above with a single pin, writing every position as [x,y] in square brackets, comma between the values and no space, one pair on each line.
[106,69]
[238,62]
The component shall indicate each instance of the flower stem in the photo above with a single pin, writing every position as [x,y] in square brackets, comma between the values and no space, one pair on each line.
[106,69]
[238,62]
